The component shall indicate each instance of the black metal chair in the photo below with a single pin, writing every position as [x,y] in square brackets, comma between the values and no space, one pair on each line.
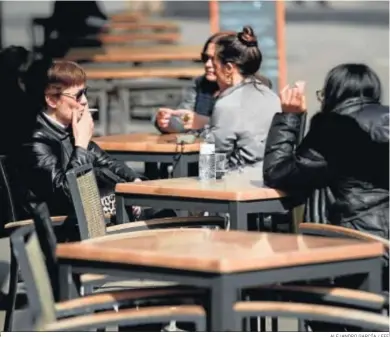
[326,294]
[303,311]
[75,315]
[9,222]
[90,218]
[92,223]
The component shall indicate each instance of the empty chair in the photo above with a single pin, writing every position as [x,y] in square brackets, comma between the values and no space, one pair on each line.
[361,319]
[46,315]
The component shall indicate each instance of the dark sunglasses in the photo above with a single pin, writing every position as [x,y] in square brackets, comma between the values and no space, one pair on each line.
[205,57]
[77,97]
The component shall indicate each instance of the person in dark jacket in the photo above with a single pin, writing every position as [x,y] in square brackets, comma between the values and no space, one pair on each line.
[346,149]
[61,141]
[76,23]
[13,62]
[201,96]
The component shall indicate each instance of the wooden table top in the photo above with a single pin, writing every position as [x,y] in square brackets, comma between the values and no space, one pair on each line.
[135,53]
[142,25]
[134,73]
[128,16]
[145,142]
[128,37]
[217,251]
[233,187]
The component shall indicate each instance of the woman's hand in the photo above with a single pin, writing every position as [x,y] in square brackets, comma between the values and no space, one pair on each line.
[293,98]
[191,120]
[163,117]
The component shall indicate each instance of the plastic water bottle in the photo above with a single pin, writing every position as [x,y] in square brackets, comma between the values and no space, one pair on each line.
[207,169]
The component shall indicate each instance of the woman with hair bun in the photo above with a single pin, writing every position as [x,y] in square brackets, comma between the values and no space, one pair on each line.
[245,106]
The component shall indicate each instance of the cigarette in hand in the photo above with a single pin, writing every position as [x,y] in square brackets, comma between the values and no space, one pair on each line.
[92,111]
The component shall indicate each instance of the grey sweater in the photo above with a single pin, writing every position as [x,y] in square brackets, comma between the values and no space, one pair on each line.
[240,122]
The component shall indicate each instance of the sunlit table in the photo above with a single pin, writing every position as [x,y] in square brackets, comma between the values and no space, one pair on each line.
[151,148]
[235,194]
[224,262]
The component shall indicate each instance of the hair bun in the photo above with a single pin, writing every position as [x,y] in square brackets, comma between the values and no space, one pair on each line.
[248,37]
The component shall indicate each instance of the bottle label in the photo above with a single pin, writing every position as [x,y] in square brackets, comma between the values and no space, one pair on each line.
[207,148]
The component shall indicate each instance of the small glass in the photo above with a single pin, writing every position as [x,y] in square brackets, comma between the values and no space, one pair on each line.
[220,165]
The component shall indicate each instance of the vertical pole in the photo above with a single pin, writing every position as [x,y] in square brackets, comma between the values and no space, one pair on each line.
[214,16]
[280,39]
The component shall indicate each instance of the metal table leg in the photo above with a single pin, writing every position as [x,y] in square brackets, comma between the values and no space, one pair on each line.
[238,216]
[121,214]
[180,167]
[223,296]
[65,281]
[373,282]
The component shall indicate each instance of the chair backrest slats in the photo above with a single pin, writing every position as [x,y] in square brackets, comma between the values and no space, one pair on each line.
[36,276]
[86,200]
[48,242]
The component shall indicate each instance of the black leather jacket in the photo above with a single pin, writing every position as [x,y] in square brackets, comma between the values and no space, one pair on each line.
[346,150]
[42,164]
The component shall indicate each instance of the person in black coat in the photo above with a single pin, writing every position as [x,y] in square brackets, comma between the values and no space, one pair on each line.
[14,102]
[76,24]
[60,141]
[346,150]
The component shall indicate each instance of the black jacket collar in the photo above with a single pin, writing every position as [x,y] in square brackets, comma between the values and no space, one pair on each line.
[55,130]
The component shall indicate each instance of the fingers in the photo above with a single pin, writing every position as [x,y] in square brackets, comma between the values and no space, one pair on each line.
[293,98]
[163,111]
[283,93]
[74,117]
[301,86]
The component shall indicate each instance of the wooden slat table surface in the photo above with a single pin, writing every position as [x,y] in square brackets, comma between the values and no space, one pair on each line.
[217,251]
[134,73]
[234,187]
[142,25]
[129,37]
[145,142]
[135,54]
[127,16]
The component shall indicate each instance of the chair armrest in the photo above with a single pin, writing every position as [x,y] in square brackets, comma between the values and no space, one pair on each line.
[323,295]
[160,314]
[322,313]
[192,221]
[332,230]
[107,300]
[56,220]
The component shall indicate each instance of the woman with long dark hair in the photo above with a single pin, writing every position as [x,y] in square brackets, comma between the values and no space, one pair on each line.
[346,151]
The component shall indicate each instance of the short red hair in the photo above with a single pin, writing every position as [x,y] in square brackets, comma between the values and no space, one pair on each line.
[62,75]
